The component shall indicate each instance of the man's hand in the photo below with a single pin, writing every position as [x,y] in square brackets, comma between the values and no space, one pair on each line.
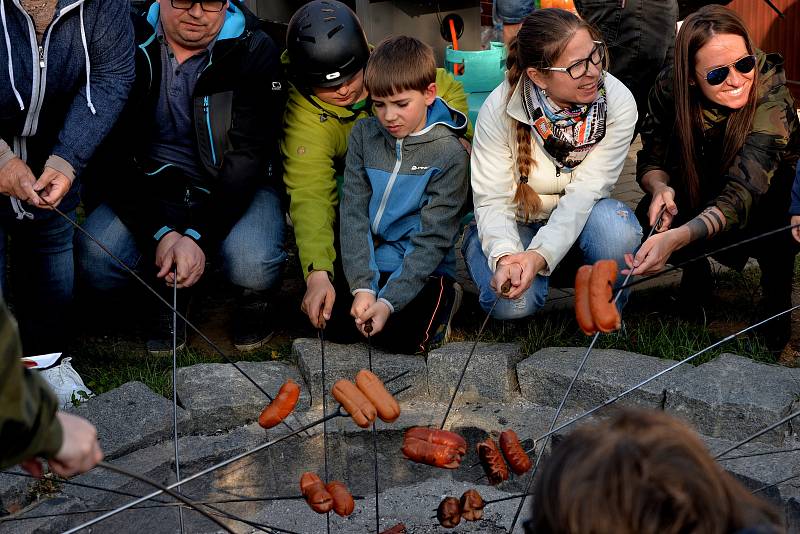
[319,298]
[796,229]
[164,247]
[378,313]
[189,259]
[79,450]
[52,186]
[17,180]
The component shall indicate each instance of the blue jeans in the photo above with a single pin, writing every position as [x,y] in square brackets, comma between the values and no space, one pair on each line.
[610,232]
[513,11]
[252,254]
[43,273]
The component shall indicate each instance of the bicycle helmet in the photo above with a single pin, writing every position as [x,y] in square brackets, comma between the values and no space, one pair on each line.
[326,44]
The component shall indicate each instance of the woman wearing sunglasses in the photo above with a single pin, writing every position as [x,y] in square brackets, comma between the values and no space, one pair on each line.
[720,144]
[549,146]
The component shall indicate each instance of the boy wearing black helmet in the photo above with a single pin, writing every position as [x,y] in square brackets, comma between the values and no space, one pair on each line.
[326,55]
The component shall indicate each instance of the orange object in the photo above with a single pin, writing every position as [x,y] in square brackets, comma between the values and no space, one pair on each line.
[601,287]
[316,495]
[343,503]
[457,68]
[583,313]
[372,388]
[281,406]
[569,5]
[517,460]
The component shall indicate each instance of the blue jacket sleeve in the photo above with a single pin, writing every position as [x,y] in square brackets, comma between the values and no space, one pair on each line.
[111,46]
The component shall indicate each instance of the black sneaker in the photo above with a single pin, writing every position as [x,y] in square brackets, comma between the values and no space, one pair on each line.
[159,338]
[252,325]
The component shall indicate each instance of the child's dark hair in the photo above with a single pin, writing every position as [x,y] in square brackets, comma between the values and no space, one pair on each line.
[400,64]
[642,472]
[543,36]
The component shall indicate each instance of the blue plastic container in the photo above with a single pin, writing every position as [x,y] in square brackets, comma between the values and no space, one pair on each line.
[483,69]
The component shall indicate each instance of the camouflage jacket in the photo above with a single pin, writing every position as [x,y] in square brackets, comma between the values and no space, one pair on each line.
[28,424]
[761,174]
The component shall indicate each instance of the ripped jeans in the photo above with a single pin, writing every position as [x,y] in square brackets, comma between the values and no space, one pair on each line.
[610,232]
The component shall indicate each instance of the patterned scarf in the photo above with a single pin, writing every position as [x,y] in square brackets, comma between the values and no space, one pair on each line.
[568,134]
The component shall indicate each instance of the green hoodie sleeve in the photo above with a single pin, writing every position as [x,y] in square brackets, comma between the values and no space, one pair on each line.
[28,424]
[310,148]
[452,92]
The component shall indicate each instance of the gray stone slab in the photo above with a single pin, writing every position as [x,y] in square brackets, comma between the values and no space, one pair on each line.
[129,418]
[490,374]
[15,489]
[56,507]
[344,361]
[218,397]
[734,397]
[545,375]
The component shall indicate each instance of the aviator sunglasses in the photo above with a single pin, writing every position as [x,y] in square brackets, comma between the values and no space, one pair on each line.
[720,74]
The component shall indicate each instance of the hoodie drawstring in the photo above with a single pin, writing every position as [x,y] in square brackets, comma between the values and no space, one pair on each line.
[88,66]
[10,60]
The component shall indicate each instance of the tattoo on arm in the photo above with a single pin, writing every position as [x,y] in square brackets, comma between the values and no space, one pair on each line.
[707,224]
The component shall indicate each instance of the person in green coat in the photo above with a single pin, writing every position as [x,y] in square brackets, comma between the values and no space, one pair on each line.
[325,58]
[30,425]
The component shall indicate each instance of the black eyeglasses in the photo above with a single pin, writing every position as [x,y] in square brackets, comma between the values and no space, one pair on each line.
[211,6]
[581,67]
[720,74]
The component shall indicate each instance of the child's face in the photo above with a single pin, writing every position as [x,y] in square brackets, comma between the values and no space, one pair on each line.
[404,113]
[344,94]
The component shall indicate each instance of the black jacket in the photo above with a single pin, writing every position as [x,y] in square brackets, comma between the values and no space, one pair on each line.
[238,106]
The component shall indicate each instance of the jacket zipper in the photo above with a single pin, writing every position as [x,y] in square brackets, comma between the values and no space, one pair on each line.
[206,110]
[39,81]
[389,185]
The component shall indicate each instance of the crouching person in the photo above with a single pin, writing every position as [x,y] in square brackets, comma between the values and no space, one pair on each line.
[404,192]
[187,175]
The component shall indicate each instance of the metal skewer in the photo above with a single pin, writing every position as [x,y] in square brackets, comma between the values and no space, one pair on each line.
[368,330]
[175,386]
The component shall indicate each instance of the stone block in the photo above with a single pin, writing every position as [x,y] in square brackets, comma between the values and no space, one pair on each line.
[545,375]
[490,374]
[732,397]
[218,397]
[15,489]
[344,361]
[129,418]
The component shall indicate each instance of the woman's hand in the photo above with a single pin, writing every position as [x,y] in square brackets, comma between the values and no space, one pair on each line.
[664,196]
[519,269]
[796,229]
[654,253]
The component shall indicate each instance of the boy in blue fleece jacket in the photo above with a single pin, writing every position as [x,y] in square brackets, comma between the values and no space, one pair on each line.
[405,187]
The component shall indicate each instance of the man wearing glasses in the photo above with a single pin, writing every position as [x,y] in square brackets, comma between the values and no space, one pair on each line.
[193,160]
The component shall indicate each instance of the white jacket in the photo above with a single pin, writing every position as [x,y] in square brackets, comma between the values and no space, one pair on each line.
[567,199]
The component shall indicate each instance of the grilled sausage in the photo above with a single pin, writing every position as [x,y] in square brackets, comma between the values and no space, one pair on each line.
[343,503]
[372,387]
[517,460]
[399,528]
[431,454]
[317,497]
[493,464]
[583,313]
[281,406]
[471,506]
[601,286]
[449,512]
[438,437]
[354,402]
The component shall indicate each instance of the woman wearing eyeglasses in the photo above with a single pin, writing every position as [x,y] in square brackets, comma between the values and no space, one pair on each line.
[549,146]
[720,144]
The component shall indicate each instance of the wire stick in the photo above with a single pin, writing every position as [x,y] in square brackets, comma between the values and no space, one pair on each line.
[368,330]
[175,386]
[324,424]
[683,264]
[168,491]
[191,325]
[757,434]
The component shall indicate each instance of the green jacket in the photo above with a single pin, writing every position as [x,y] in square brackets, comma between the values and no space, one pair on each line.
[314,147]
[28,424]
[761,174]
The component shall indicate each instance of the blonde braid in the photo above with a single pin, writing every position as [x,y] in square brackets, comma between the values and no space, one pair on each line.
[527,200]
